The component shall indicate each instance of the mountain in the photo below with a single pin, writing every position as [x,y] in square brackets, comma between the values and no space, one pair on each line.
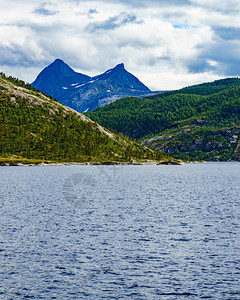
[201,122]
[84,93]
[56,76]
[36,128]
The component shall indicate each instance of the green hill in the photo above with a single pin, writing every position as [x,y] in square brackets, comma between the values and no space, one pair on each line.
[198,122]
[35,128]
[207,88]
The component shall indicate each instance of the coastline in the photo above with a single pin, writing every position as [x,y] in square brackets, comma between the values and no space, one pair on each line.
[24,163]
[8,162]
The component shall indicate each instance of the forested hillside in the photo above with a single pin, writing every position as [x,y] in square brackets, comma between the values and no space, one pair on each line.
[193,123]
[38,128]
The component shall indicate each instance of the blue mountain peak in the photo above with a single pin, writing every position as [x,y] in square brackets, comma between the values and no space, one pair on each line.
[83,92]
[119,67]
[58,61]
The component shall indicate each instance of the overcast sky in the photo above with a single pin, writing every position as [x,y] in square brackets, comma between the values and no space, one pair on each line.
[166,44]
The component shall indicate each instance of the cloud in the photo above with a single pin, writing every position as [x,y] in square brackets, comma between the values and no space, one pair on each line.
[92,11]
[226,56]
[189,40]
[43,10]
[113,22]
[18,46]
[228,33]
[143,3]
[224,5]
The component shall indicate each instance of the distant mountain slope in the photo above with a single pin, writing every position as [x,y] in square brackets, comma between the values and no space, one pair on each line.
[33,126]
[56,76]
[204,89]
[84,93]
[190,126]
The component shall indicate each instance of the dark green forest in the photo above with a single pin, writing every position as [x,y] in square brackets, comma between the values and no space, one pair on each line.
[184,120]
[36,127]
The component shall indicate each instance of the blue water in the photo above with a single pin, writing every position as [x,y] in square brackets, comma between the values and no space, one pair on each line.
[120,232]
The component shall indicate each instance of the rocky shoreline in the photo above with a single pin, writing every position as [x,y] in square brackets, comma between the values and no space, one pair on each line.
[91,163]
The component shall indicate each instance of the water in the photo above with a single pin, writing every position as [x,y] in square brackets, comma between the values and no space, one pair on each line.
[120,232]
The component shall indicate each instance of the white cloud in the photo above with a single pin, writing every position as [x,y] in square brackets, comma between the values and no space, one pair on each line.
[224,5]
[165,43]
[175,80]
[17,44]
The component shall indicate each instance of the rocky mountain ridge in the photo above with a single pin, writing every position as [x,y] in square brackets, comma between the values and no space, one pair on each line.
[84,93]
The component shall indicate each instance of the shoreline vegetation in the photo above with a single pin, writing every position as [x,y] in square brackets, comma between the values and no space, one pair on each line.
[36,129]
[38,162]
[15,161]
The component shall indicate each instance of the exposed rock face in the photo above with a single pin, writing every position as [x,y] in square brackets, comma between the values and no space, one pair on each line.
[222,144]
[84,93]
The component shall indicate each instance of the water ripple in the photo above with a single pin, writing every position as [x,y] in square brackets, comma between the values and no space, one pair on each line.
[142,232]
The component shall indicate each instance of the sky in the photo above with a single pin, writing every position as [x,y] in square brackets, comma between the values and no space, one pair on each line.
[166,44]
